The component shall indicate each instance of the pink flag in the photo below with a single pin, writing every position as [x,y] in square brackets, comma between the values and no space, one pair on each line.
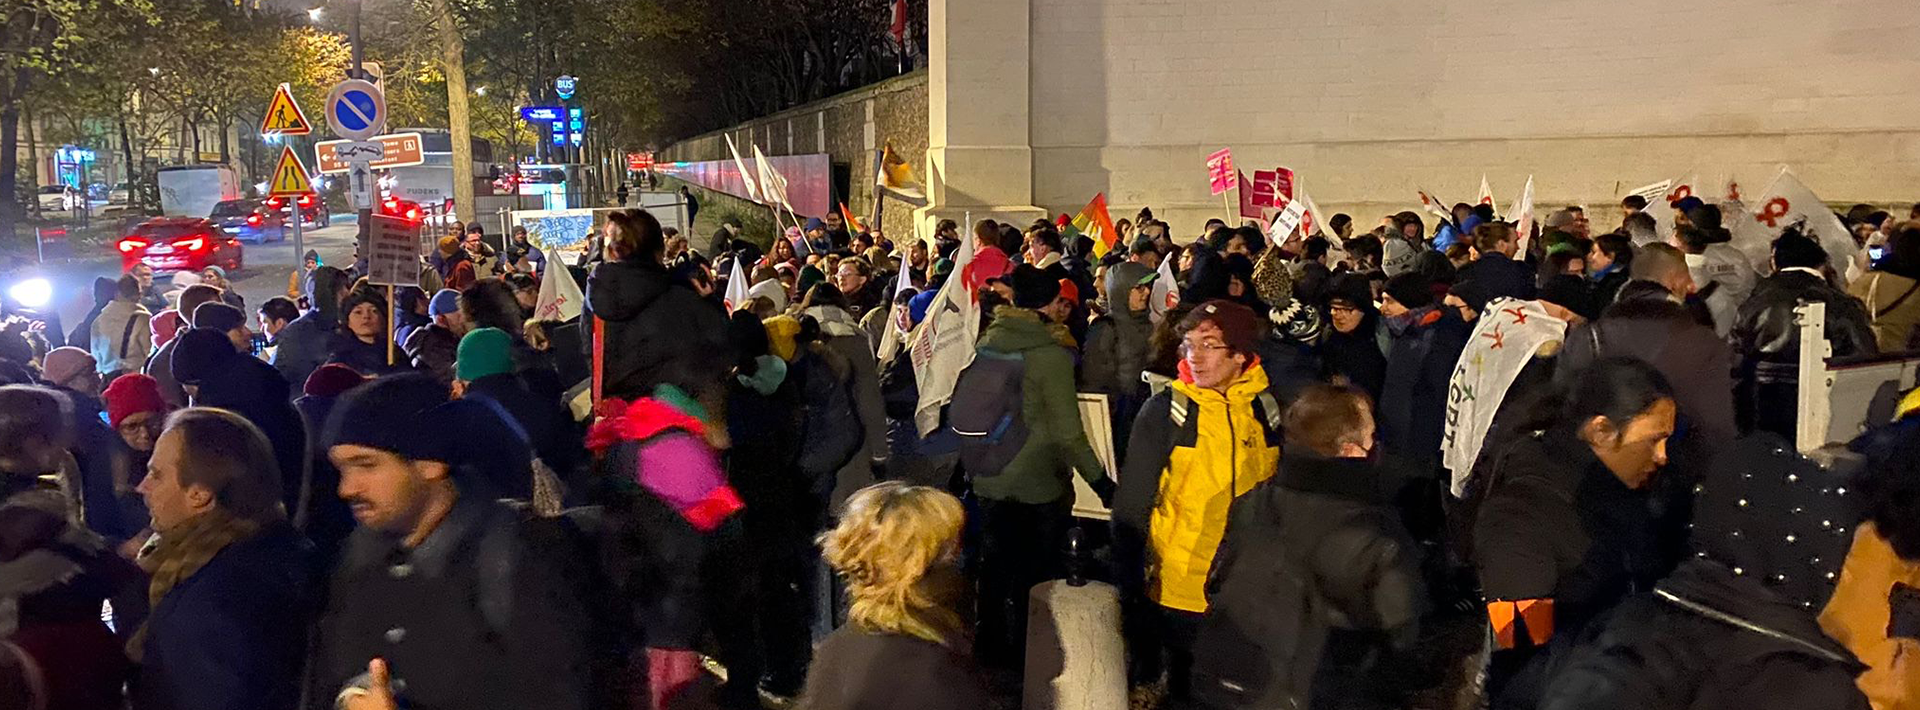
[1220,170]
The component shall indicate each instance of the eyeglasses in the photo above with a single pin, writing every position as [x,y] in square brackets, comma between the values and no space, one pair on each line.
[1189,348]
[1342,308]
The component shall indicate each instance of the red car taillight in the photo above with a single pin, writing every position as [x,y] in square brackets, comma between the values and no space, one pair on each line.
[192,244]
[253,220]
[130,244]
[413,214]
[306,200]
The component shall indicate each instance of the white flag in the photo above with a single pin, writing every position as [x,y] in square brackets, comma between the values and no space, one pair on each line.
[1520,215]
[943,343]
[560,298]
[773,186]
[753,191]
[1164,296]
[1315,223]
[1660,198]
[736,295]
[1486,193]
[1504,340]
[1435,207]
[1788,201]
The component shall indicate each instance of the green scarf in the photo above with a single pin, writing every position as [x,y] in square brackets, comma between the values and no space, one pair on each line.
[178,553]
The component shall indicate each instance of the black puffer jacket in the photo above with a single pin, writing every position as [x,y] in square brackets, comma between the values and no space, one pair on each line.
[1424,347]
[1322,525]
[658,332]
[1708,640]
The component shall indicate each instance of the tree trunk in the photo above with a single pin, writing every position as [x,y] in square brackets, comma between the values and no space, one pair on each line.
[126,150]
[9,165]
[33,158]
[459,123]
[226,140]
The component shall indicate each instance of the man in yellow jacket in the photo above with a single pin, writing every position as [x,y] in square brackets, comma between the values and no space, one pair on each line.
[1209,438]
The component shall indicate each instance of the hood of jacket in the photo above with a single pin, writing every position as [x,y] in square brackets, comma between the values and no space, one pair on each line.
[1021,329]
[620,290]
[1712,590]
[1121,280]
[836,321]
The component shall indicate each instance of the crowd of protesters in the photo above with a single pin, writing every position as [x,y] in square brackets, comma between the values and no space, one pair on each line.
[1321,493]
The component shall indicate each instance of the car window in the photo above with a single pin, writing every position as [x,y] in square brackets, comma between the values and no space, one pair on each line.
[52,189]
[167,231]
[231,208]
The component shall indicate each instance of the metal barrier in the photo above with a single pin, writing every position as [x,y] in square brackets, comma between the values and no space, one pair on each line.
[1840,401]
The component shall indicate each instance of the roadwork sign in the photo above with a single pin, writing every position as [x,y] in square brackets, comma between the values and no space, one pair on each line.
[283,116]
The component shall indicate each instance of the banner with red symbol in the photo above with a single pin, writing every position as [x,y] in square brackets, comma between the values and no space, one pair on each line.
[1787,202]
[1220,172]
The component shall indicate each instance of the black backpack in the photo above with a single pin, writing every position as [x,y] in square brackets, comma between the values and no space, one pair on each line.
[830,428]
[1261,624]
[986,412]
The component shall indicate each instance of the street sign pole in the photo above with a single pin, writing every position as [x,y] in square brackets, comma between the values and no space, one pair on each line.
[365,213]
[299,243]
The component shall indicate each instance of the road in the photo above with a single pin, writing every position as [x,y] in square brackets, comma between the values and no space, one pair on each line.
[267,267]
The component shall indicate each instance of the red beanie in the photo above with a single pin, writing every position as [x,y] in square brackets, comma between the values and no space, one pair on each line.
[1069,291]
[130,395]
[332,380]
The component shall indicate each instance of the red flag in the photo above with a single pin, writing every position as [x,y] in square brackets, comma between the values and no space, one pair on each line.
[897,28]
[1250,206]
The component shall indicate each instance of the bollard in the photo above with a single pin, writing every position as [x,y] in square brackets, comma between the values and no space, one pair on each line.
[1076,659]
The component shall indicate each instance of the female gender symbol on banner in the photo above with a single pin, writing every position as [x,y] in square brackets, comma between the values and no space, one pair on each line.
[356,109]
[1680,193]
[1773,211]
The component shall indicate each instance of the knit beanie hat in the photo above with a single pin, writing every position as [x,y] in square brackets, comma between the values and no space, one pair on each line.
[132,394]
[483,352]
[200,353]
[1033,288]
[1398,256]
[1238,325]
[218,316]
[445,301]
[448,245]
[1296,320]
[62,364]
[1411,289]
[332,380]
[389,414]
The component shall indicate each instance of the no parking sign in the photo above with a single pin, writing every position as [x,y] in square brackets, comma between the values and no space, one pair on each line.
[356,109]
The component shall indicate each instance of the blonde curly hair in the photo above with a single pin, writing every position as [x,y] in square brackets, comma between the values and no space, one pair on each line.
[895,547]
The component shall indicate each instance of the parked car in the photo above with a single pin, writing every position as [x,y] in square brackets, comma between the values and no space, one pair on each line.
[179,244]
[58,198]
[121,194]
[313,209]
[249,221]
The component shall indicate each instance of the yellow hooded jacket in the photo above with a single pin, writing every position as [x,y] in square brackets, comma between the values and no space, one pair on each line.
[1233,450]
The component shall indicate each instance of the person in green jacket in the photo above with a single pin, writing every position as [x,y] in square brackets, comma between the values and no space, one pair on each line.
[1026,507]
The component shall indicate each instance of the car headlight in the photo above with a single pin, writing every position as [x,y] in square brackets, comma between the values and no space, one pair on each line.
[31,293]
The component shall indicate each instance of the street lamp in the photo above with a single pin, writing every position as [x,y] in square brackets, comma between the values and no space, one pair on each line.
[313,14]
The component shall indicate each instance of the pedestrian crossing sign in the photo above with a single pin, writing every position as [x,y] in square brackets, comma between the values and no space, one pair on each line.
[289,177]
[283,116]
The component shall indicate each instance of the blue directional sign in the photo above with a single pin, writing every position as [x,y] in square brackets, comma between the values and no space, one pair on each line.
[538,114]
[356,109]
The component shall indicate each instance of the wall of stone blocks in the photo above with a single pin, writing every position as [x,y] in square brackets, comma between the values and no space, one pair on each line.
[1371,100]
[848,128]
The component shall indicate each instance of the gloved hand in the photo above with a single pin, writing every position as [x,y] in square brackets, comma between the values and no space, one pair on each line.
[1105,488]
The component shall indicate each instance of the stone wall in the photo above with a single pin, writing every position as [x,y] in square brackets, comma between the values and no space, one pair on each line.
[848,128]
[1370,100]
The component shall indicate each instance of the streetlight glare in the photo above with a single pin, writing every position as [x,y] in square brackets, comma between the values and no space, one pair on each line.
[314,14]
[481,91]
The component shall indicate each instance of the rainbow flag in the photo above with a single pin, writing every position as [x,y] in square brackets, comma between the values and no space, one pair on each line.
[1094,221]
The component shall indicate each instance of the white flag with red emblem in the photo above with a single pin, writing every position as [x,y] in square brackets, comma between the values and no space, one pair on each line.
[1486,193]
[1787,202]
[1660,197]
[943,344]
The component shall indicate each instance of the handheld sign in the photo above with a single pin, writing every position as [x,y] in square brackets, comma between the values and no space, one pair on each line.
[283,116]
[356,109]
[289,176]
[1220,173]
[393,252]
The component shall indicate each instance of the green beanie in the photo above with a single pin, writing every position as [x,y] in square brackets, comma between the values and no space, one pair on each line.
[486,351]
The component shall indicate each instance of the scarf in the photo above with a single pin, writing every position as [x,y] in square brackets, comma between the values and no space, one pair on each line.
[179,553]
